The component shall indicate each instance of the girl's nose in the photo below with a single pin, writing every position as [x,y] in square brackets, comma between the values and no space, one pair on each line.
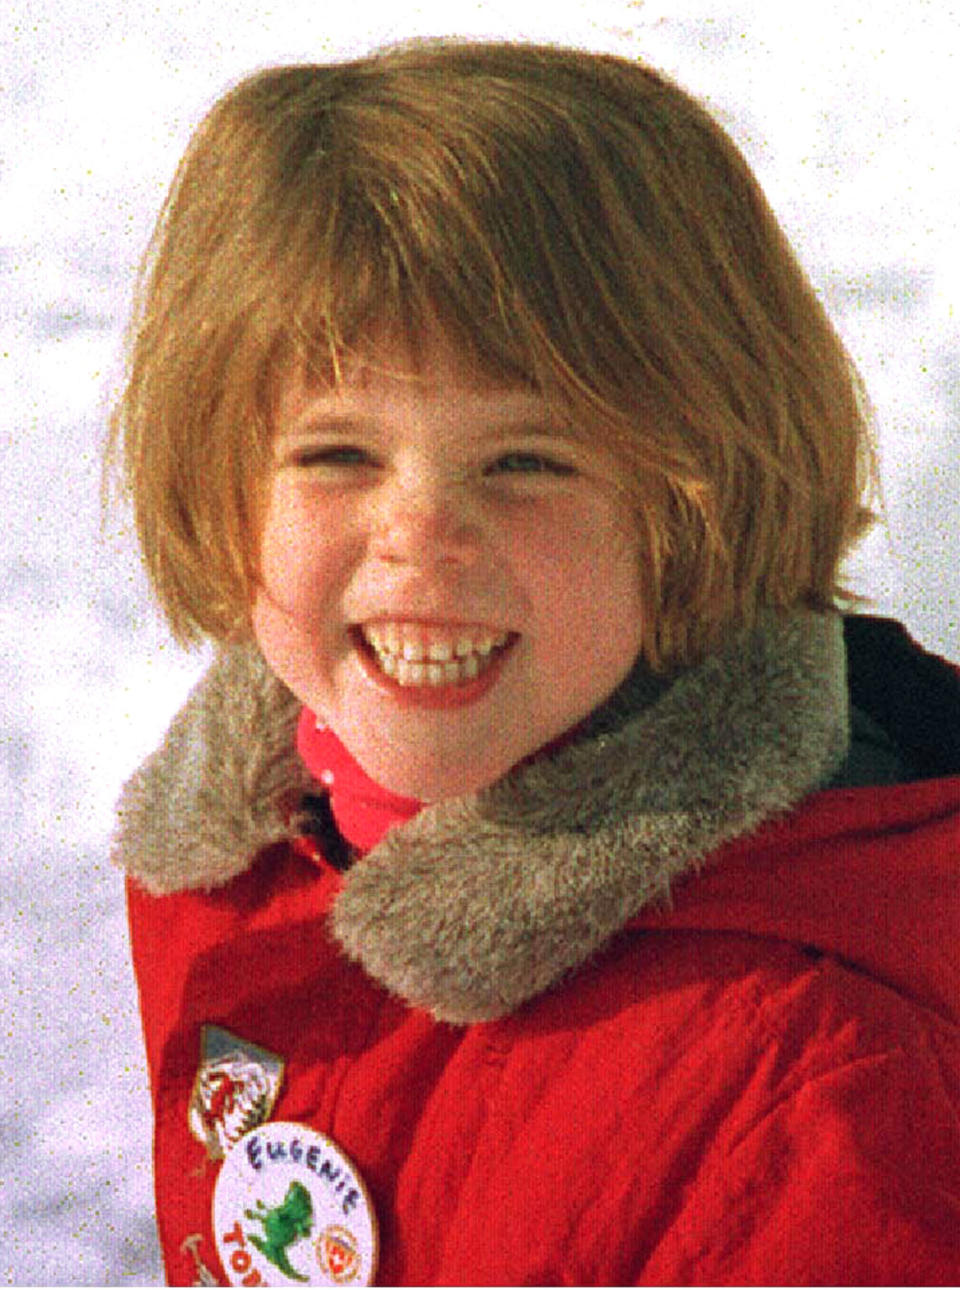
[424,523]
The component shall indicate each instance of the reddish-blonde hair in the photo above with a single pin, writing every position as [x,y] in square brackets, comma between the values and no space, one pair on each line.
[576,221]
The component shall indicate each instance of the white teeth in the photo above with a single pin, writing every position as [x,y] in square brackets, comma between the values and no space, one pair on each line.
[410,673]
[412,658]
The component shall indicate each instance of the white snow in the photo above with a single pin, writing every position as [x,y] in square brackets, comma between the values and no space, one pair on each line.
[847,112]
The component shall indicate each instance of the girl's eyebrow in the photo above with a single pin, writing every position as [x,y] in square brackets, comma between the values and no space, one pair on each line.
[316,421]
[533,424]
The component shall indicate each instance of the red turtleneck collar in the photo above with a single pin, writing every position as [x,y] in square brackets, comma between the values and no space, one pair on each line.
[362,809]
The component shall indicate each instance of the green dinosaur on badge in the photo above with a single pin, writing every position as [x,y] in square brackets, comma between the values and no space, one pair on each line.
[283,1225]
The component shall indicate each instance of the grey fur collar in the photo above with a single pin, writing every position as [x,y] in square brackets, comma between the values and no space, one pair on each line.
[483,902]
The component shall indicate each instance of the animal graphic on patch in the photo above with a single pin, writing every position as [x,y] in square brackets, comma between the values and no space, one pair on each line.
[282,1226]
[236,1086]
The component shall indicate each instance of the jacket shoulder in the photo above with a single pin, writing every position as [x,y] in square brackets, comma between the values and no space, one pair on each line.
[912,694]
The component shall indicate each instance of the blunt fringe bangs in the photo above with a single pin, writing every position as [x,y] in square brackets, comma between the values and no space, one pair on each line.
[573,221]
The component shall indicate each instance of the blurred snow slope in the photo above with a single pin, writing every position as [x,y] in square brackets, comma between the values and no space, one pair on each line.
[848,115]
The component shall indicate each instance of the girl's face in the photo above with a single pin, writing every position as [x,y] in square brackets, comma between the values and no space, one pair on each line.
[449,580]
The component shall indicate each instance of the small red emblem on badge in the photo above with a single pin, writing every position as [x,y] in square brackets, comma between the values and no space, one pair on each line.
[338,1255]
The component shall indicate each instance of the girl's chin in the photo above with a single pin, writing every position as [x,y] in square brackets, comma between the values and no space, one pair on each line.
[428,751]
[430,783]
[421,768]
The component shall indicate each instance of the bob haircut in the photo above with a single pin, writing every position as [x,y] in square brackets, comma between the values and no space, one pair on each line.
[575,222]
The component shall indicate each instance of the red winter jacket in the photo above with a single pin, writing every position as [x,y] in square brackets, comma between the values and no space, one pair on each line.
[658,1009]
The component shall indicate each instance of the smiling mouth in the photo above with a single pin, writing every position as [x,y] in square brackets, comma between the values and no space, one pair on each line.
[431,657]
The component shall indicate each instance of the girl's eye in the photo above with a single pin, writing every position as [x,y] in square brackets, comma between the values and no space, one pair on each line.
[335,455]
[531,463]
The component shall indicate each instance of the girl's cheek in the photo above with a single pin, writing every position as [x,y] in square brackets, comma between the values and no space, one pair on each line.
[304,541]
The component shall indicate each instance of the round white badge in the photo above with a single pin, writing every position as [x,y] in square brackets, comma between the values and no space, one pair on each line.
[290,1209]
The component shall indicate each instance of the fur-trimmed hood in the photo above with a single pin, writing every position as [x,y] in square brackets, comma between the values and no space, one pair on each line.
[483,902]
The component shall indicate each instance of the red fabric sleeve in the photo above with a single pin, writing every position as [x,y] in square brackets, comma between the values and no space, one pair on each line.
[854,1180]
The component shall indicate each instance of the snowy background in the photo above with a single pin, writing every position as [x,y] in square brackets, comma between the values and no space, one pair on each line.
[847,111]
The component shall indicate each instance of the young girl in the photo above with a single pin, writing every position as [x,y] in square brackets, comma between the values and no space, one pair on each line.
[547,884]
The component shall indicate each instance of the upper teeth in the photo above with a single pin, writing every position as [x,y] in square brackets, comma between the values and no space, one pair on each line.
[433,644]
